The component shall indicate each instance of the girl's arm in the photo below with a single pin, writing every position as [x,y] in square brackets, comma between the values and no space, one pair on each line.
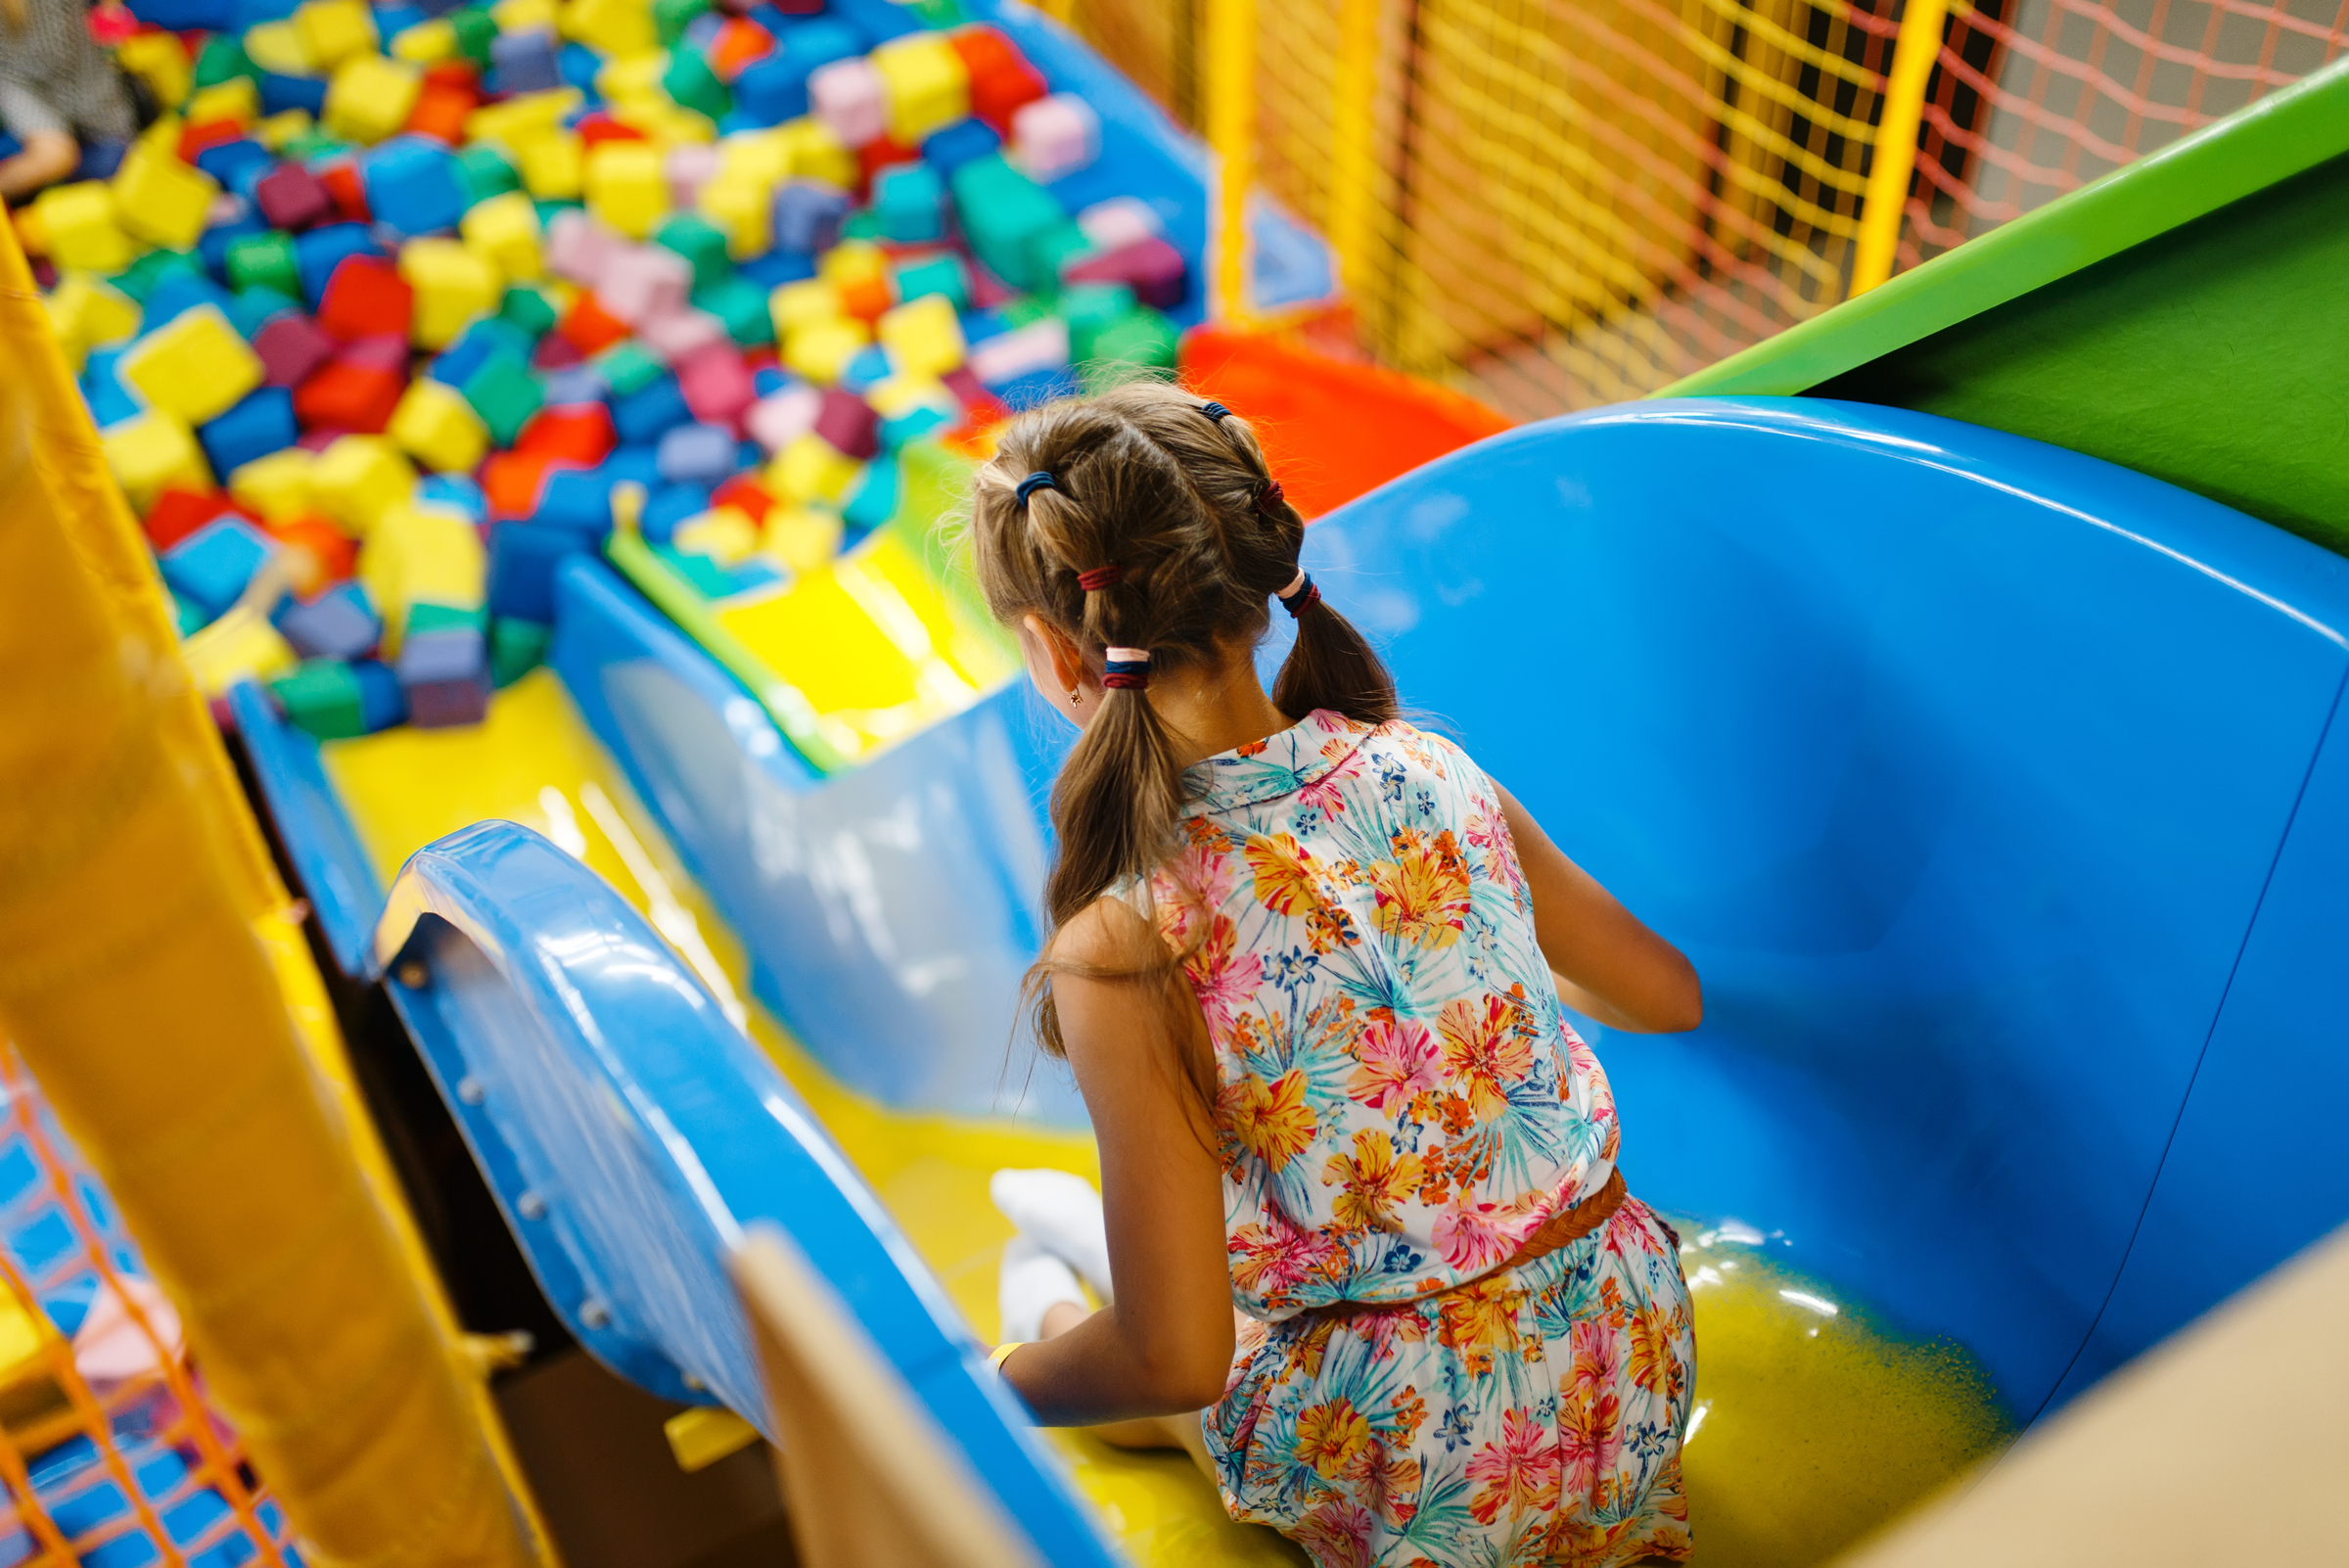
[1165,1348]
[1609,966]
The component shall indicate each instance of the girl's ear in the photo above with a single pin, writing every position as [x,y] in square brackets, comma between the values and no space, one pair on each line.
[1068,664]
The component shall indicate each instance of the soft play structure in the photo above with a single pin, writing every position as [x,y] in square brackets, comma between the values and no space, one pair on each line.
[1978,748]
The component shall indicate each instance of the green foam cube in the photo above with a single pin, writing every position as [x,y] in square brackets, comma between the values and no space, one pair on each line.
[699,241]
[475,27]
[742,306]
[505,394]
[1049,251]
[527,308]
[484,171]
[221,58]
[627,367]
[1135,344]
[672,16]
[322,697]
[1000,210]
[516,648]
[265,261]
[692,84]
[942,274]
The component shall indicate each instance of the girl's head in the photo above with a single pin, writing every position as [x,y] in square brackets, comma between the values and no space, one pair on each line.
[1162,503]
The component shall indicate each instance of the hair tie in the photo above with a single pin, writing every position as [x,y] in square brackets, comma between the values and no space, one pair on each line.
[1125,669]
[1216,413]
[1040,479]
[1300,595]
[1099,578]
[1269,497]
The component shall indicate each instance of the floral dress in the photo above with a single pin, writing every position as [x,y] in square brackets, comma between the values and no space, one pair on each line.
[1399,1105]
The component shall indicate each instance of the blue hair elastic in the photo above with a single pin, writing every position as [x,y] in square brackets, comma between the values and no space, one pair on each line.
[1038,480]
[1215,412]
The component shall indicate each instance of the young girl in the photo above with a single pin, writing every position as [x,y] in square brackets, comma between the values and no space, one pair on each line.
[1306,964]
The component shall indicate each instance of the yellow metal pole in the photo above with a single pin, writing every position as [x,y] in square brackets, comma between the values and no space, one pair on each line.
[1887,195]
[1351,167]
[1231,135]
[135,988]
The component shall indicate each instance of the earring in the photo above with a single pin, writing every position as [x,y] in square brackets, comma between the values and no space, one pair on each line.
[1076,699]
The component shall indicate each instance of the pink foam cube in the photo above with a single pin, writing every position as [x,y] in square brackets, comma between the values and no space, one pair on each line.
[1055,136]
[382,352]
[291,347]
[690,167]
[291,197]
[644,281]
[777,422]
[849,96]
[676,335]
[557,352]
[849,423]
[579,248]
[716,385]
[1039,346]
[1120,221]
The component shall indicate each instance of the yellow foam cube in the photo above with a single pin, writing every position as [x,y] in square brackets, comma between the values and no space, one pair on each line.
[725,534]
[812,469]
[923,337]
[161,60]
[803,304]
[370,97]
[421,555]
[928,85]
[79,222]
[453,282]
[663,124]
[903,393]
[436,425]
[626,187]
[193,367]
[427,43]
[359,480]
[242,645]
[151,451]
[161,200]
[552,164]
[818,155]
[803,537]
[520,16]
[276,486]
[762,157]
[84,312]
[617,27]
[236,98]
[625,78]
[820,351]
[518,119]
[336,30]
[743,210]
[279,46]
[286,125]
[852,261]
[503,231]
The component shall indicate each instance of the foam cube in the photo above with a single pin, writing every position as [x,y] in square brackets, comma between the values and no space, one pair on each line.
[776,421]
[516,648]
[927,84]
[160,200]
[626,186]
[265,261]
[741,208]
[909,200]
[360,479]
[691,84]
[807,215]
[446,676]
[579,248]
[849,423]
[817,153]
[195,368]
[322,698]
[503,231]
[505,394]
[435,425]
[421,555]
[850,97]
[338,624]
[701,454]
[615,28]
[212,567]
[81,228]
[644,415]
[1149,266]
[415,186]
[681,332]
[234,102]
[317,552]
[318,252]
[944,276]
[699,241]
[85,312]
[644,281]
[523,558]
[529,310]
[1141,340]
[717,385]
[553,166]
[369,98]
[526,61]
[812,469]
[821,350]
[740,307]
[335,30]
[161,60]
[427,43]
[1055,136]
[366,298]
[690,167]
[291,347]
[259,425]
[1039,346]
[1000,210]
[1000,78]
[453,286]
[923,337]
[241,645]
[350,393]
[1120,221]
[277,485]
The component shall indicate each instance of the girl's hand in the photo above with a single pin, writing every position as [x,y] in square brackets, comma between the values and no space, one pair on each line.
[1138,1045]
[1609,966]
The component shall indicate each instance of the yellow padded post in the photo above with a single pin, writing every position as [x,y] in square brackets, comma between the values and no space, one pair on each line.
[131,881]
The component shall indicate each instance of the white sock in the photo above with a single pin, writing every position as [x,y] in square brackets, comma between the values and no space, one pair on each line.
[1033,1283]
[1061,1213]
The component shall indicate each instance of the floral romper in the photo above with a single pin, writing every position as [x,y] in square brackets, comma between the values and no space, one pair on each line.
[1401,1104]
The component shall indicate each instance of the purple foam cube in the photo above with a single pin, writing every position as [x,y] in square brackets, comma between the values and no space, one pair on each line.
[807,216]
[699,455]
[526,61]
[1151,267]
[291,345]
[445,674]
[337,624]
[293,198]
[849,423]
[380,352]
[575,383]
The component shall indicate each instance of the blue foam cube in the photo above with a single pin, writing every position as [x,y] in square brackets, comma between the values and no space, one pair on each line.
[671,505]
[211,566]
[868,369]
[457,490]
[638,463]
[258,424]
[318,252]
[575,499]
[910,200]
[777,268]
[523,558]
[770,91]
[476,347]
[966,141]
[573,385]
[581,64]
[873,501]
[110,403]
[177,295]
[807,215]
[699,453]
[413,186]
[222,159]
[877,21]
[283,90]
[338,623]
[381,702]
[252,309]
[651,410]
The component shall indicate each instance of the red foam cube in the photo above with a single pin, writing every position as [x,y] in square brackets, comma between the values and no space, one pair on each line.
[511,482]
[292,346]
[178,513]
[347,396]
[1002,78]
[602,127]
[366,298]
[592,327]
[336,552]
[556,352]
[193,139]
[578,433]
[745,494]
[441,111]
[343,182]
[883,152]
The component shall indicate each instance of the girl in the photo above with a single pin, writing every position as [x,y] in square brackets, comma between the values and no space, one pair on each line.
[1302,966]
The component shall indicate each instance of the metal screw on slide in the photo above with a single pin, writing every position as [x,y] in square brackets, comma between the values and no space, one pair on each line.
[530,1206]
[594,1314]
[414,975]
[469,1091]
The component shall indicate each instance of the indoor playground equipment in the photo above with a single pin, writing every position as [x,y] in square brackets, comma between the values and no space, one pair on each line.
[664,808]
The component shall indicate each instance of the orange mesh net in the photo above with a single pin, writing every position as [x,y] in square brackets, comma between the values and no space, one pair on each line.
[107,1451]
[1554,204]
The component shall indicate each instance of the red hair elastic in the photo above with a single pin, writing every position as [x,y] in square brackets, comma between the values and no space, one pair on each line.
[1099,578]
[1269,496]
[1125,669]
